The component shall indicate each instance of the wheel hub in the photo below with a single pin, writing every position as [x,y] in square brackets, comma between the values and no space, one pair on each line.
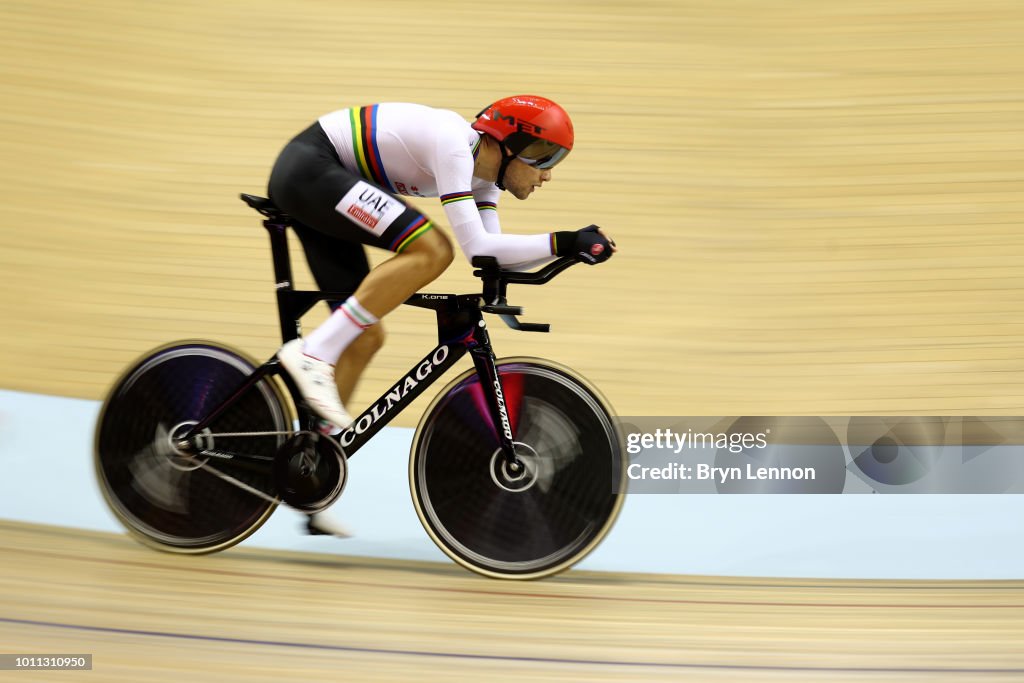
[181,453]
[518,477]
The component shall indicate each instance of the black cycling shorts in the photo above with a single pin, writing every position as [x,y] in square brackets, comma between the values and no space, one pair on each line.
[337,210]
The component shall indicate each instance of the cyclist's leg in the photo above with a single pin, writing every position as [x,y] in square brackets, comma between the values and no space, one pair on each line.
[401,276]
[379,291]
[355,358]
[340,266]
[349,338]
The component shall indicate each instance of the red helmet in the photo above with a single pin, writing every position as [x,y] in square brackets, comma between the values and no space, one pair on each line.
[533,128]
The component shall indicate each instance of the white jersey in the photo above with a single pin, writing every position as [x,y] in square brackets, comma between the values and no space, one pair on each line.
[414,150]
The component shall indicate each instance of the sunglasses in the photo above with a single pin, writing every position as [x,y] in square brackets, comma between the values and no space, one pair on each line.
[542,154]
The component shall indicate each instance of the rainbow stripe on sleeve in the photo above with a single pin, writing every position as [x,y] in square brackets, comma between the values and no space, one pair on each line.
[487,206]
[447,199]
[364,144]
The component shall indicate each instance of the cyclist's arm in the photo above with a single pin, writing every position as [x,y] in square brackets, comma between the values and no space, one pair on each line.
[486,196]
[454,173]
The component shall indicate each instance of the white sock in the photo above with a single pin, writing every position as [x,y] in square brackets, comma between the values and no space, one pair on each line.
[328,341]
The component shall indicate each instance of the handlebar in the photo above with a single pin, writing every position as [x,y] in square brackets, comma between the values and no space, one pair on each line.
[496,281]
[489,269]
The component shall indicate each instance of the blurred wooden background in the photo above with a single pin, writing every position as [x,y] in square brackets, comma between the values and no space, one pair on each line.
[818,204]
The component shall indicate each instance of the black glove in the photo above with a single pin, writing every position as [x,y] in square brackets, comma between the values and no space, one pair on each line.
[586,245]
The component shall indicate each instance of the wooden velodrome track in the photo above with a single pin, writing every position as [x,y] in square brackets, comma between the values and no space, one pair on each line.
[247,615]
[819,210]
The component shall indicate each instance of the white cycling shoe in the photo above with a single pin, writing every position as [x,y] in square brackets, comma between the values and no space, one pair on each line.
[315,379]
[322,524]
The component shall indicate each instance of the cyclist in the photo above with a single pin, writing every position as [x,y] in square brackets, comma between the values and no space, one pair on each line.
[340,180]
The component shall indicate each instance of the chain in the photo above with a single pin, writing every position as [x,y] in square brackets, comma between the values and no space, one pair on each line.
[240,434]
[240,484]
[228,456]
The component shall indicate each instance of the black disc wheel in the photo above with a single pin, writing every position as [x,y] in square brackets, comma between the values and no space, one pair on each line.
[521,522]
[199,499]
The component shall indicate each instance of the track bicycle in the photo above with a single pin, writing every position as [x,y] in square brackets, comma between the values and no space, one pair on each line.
[516,469]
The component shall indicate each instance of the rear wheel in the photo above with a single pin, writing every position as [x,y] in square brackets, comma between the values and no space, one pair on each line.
[179,501]
[531,523]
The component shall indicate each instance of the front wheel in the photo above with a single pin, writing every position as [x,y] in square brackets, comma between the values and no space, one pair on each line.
[542,519]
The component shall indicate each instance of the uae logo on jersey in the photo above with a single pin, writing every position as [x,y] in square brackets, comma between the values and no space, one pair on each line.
[370,208]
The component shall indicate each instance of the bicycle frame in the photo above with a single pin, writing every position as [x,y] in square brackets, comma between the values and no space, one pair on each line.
[461,329]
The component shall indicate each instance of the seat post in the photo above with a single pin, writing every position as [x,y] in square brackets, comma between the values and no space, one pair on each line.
[283,277]
[279,250]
